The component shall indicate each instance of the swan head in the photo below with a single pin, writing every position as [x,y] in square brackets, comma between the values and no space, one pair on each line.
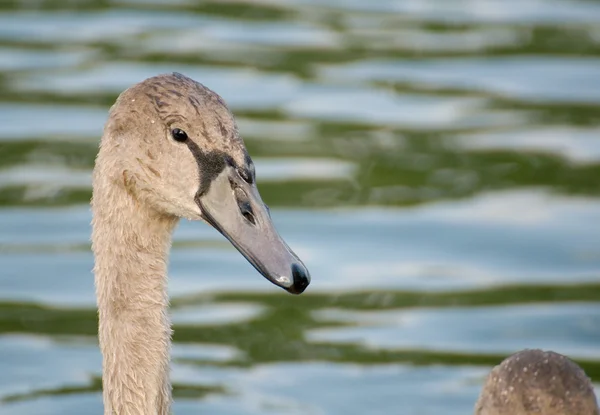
[174,145]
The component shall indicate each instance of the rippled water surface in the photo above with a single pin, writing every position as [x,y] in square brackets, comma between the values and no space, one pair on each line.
[435,163]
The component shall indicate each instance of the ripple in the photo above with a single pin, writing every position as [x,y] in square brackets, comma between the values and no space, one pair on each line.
[53,178]
[565,79]
[578,145]
[51,121]
[204,352]
[13,59]
[425,41]
[538,210]
[43,226]
[472,11]
[27,277]
[289,130]
[51,405]
[111,25]
[570,329]
[46,364]
[376,107]
[285,169]
[211,314]
[219,36]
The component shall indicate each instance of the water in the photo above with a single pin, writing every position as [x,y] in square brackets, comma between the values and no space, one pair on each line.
[435,164]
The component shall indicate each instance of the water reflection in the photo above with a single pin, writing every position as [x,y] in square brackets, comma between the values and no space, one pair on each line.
[434,163]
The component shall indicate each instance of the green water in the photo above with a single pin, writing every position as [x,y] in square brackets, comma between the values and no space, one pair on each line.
[436,164]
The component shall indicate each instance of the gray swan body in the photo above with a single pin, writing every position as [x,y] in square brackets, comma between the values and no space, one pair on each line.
[170,150]
[539,382]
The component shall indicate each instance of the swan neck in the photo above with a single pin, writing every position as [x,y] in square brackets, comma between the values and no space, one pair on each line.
[130,245]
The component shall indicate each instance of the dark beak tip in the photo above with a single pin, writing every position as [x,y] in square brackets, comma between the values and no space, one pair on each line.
[301,279]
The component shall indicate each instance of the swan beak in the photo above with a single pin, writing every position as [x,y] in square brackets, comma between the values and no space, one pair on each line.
[234,207]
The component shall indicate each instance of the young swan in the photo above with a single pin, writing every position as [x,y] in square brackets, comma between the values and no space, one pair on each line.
[536,382]
[170,149]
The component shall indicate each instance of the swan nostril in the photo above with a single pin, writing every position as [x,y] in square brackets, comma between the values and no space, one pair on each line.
[245,175]
[249,217]
[246,211]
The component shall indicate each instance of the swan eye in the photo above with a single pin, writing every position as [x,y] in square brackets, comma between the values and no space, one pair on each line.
[179,135]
